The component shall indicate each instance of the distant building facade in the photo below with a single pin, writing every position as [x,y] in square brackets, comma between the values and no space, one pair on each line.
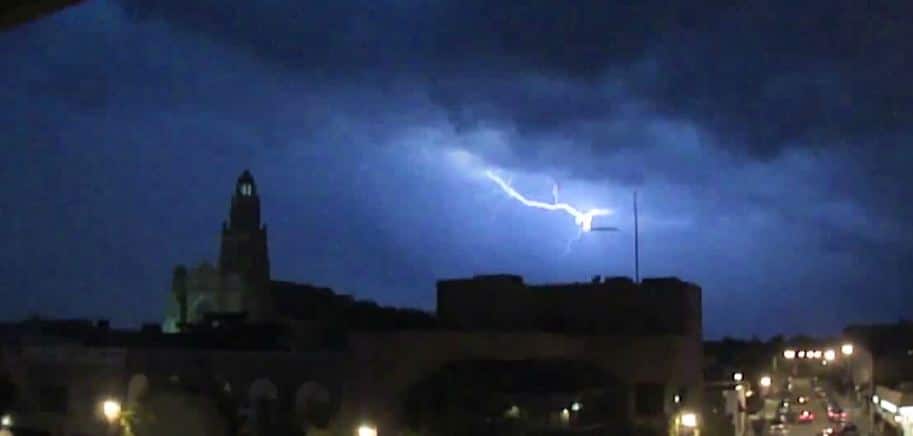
[224,381]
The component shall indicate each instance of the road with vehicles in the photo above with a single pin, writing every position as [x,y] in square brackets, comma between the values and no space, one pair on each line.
[805,400]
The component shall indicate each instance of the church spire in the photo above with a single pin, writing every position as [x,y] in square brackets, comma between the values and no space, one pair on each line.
[245,204]
[244,245]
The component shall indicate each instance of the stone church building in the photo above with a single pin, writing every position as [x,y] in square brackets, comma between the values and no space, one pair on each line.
[239,286]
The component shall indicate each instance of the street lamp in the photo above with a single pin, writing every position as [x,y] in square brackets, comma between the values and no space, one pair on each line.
[737,376]
[6,421]
[766,381]
[789,354]
[802,355]
[830,355]
[367,430]
[111,409]
[689,420]
[847,349]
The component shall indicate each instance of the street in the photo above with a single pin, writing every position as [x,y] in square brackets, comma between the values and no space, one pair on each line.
[818,406]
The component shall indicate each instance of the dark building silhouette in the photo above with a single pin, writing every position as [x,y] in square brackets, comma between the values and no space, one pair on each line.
[884,352]
[881,369]
[18,12]
[660,306]
[502,356]
[241,290]
[244,244]
[241,285]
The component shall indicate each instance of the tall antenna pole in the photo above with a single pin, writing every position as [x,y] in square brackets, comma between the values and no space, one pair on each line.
[636,243]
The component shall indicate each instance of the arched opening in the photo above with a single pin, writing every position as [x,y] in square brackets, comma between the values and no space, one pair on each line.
[313,407]
[200,307]
[170,405]
[263,398]
[9,392]
[136,389]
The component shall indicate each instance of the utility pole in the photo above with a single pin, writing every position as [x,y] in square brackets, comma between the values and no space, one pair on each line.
[636,243]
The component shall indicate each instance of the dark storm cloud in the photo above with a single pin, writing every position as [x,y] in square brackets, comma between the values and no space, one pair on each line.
[777,74]
[753,78]
[758,75]
[422,35]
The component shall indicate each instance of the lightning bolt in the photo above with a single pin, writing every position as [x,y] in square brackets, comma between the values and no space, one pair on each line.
[583,220]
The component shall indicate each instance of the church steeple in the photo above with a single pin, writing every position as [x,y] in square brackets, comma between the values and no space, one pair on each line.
[245,204]
[244,245]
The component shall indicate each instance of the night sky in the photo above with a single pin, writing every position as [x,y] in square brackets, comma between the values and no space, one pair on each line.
[768,141]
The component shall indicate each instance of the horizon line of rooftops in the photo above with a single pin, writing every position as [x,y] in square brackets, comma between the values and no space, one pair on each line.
[595,280]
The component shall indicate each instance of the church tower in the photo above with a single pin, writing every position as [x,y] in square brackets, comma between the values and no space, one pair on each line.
[244,248]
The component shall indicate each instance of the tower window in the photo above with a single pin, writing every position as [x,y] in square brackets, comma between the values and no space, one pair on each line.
[247,190]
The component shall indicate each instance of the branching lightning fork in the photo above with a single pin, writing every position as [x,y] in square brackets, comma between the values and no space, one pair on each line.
[583,220]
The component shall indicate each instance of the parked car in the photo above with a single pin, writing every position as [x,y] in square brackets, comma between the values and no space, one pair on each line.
[836,414]
[806,417]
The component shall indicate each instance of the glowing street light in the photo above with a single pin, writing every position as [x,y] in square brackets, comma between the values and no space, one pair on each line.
[789,354]
[689,420]
[766,381]
[366,430]
[737,376]
[802,355]
[111,409]
[847,349]
[6,421]
[830,355]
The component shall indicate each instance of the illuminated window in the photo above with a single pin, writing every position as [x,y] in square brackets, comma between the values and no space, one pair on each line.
[247,190]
